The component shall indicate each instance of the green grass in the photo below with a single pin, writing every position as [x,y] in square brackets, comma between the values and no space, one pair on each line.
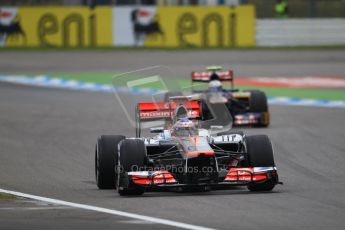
[96,77]
[106,78]
[323,94]
[6,196]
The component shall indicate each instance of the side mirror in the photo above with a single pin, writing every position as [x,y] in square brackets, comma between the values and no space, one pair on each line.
[157,130]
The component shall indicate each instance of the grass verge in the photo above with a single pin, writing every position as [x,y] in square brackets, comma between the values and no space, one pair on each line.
[306,93]
[6,196]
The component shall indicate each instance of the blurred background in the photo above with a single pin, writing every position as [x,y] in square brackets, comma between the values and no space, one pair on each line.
[171,23]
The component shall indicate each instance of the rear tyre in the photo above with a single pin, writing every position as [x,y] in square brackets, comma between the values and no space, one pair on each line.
[258,104]
[106,158]
[132,158]
[260,154]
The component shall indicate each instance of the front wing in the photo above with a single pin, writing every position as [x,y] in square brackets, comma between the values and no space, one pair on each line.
[164,180]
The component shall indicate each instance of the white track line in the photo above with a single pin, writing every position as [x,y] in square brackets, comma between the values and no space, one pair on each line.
[108,211]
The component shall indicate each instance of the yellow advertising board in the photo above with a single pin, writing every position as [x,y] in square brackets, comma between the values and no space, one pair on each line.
[162,26]
[60,27]
[203,27]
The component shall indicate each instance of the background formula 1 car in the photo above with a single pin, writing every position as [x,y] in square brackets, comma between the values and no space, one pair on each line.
[182,156]
[246,107]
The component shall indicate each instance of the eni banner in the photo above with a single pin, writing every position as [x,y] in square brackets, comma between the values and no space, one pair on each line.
[184,26]
[127,26]
[55,27]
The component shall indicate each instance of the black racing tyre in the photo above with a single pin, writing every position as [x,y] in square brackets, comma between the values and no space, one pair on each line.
[258,101]
[106,158]
[133,157]
[258,104]
[260,154]
[172,94]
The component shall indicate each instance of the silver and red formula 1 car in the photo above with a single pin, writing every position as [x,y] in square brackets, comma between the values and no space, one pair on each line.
[181,155]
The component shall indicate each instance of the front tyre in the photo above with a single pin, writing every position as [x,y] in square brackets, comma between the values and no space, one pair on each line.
[106,158]
[132,158]
[260,154]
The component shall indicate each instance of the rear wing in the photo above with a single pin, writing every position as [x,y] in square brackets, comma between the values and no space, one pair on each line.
[205,76]
[166,110]
[153,111]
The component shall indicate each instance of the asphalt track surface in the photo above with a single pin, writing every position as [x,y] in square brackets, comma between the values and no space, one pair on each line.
[244,62]
[48,136]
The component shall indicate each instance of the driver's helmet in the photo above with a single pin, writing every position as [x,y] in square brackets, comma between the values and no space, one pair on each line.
[214,76]
[185,127]
[215,86]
